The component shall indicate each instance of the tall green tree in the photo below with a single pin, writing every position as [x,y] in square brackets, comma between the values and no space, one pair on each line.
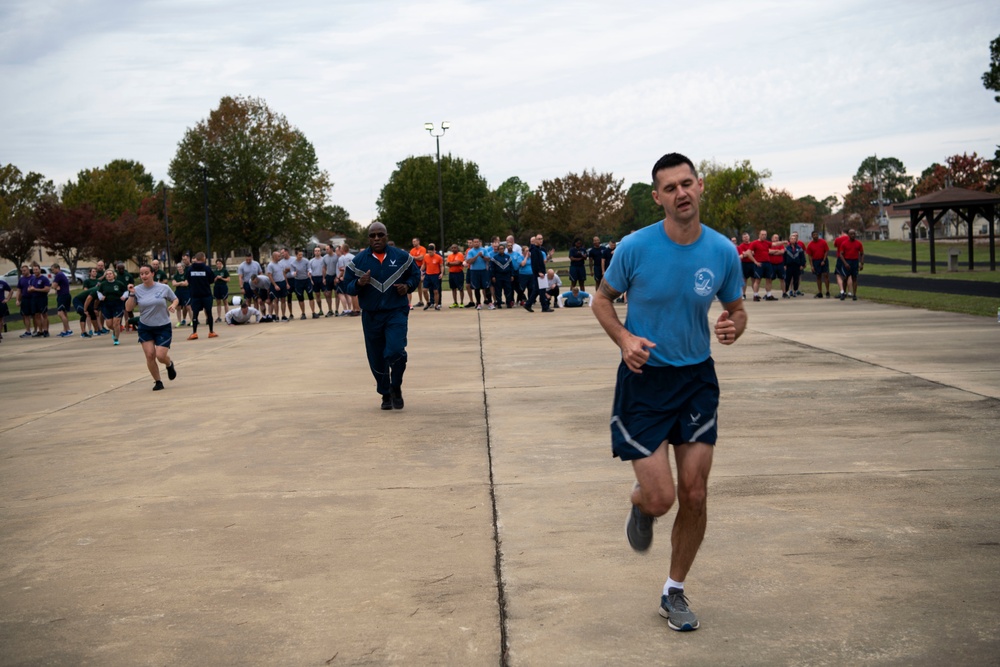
[991,77]
[862,192]
[814,210]
[577,206]
[111,190]
[725,189]
[408,203]
[643,210]
[20,196]
[262,175]
[771,209]
[511,196]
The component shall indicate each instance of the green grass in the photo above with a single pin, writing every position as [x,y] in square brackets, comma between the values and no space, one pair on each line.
[951,303]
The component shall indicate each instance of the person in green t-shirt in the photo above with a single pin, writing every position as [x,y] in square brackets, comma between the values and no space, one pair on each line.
[183,294]
[110,292]
[159,275]
[220,289]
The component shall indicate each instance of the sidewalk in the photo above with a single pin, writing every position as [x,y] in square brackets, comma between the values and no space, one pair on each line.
[263,510]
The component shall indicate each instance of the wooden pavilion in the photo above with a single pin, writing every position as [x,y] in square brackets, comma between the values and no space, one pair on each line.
[967,204]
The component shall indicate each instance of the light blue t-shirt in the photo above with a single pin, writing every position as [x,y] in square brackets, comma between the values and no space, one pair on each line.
[476,257]
[671,287]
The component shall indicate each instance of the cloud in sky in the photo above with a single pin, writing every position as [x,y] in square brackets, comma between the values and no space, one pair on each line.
[537,90]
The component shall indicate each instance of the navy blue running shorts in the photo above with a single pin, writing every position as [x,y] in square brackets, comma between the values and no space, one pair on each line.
[663,403]
[161,336]
[456,280]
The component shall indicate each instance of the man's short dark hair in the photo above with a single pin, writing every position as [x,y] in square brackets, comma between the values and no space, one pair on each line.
[672,160]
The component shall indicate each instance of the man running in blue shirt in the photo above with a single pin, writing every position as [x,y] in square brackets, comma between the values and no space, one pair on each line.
[382,276]
[667,390]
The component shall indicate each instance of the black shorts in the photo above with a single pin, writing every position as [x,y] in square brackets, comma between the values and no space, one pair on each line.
[200,303]
[220,290]
[663,403]
[577,273]
[328,283]
[318,284]
[456,280]
[850,268]
[747,270]
[26,309]
[112,308]
[821,266]
[764,271]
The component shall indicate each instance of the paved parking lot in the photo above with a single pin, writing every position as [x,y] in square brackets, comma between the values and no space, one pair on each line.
[263,510]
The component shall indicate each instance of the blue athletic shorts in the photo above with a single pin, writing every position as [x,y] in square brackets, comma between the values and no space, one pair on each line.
[279,289]
[778,271]
[763,271]
[63,302]
[303,288]
[318,284]
[112,308]
[578,273]
[220,290]
[821,266]
[850,268]
[747,269]
[479,279]
[663,403]
[328,283]
[161,336]
[433,282]
[456,280]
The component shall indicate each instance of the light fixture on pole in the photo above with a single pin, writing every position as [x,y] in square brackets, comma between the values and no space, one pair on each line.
[437,139]
[208,234]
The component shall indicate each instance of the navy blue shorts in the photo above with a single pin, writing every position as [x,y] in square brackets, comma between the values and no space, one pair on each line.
[840,270]
[747,270]
[63,302]
[578,273]
[821,266]
[161,336]
[850,268]
[433,282]
[778,271]
[328,283]
[663,403]
[318,284]
[303,288]
[248,290]
[456,280]
[763,271]
[220,290]
[479,279]
[278,289]
[112,308]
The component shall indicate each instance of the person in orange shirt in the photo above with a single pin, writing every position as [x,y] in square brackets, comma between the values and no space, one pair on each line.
[456,276]
[432,277]
[419,252]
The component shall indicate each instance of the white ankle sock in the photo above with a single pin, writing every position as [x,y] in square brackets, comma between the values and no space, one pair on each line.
[672,584]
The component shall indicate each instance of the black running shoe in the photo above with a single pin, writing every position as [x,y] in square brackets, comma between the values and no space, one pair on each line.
[158,385]
[639,529]
[171,371]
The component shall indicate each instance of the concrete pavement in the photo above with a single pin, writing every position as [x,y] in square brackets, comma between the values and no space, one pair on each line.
[263,510]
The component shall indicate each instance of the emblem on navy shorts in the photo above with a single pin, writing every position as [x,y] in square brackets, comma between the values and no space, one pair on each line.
[704,282]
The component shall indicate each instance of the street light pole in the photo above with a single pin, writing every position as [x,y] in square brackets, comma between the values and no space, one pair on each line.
[208,234]
[166,221]
[437,140]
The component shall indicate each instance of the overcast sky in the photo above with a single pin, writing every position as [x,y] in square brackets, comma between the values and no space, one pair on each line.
[534,89]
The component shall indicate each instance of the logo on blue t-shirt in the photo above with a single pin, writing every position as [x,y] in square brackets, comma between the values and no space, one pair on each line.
[704,282]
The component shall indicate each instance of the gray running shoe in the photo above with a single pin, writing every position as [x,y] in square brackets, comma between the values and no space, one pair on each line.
[639,529]
[674,608]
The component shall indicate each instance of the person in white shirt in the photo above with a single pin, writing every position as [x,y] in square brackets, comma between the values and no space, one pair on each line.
[243,314]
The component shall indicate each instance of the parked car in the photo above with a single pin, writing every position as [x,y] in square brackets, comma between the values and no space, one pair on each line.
[14,273]
[82,273]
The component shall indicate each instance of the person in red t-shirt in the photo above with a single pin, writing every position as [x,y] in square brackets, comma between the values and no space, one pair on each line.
[777,259]
[746,261]
[838,270]
[419,252]
[818,249]
[761,249]
[432,277]
[852,255]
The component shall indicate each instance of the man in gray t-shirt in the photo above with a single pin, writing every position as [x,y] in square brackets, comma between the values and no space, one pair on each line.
[279,287]
[298,271]
[330,277]
[246,271]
